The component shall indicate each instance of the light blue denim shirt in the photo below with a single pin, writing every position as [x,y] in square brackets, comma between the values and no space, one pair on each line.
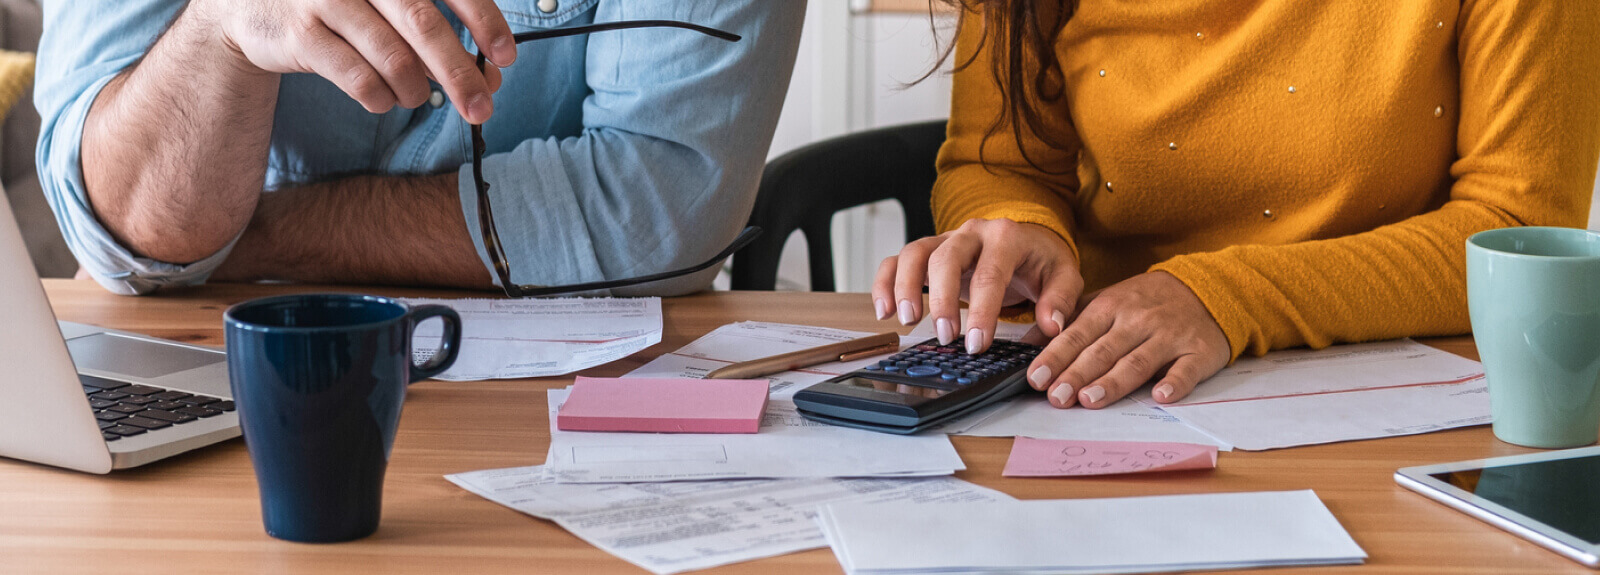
[613,155]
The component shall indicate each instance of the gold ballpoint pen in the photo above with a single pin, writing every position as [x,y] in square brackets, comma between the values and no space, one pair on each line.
[888,342]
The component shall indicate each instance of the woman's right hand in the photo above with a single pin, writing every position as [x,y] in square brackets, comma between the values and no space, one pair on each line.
[991,264]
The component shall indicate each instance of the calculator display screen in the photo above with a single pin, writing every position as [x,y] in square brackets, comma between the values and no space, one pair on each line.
[891,387]
[1561,493]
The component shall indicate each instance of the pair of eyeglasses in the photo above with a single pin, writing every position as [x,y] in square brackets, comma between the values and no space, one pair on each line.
[491,238]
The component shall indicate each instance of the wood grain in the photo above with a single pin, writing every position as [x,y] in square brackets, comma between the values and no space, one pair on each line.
[199,512]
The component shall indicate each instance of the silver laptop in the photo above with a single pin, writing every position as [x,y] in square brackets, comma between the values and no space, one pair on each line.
[94,399]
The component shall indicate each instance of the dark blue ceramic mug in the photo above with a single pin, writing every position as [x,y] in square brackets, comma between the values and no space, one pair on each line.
[319,380]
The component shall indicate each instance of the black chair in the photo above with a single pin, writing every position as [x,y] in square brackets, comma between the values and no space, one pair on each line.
[801,190]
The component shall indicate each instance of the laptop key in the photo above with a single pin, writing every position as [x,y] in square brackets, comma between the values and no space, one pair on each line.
[101,403]
[109,416]
[167,416]
[164,405]
[105,424]
[87,389]
[125,408]
[99,382]
[137,399]
[144,422]
[198,400]
[198,411]
[126,430]
[224,405]
[110,436]
[170,395]
[140,390]
[109,395]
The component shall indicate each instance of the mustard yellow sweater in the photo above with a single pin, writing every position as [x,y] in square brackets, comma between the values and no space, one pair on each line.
[1310,168]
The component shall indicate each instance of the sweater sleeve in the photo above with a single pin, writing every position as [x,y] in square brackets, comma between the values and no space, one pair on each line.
[983,172]
[1527,144]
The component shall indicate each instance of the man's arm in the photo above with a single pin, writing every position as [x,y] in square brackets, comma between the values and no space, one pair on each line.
[402,230]
[153,151]
[676,129]
[157,134]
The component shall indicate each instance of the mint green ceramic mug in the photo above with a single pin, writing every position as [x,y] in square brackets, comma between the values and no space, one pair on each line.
[1534,296]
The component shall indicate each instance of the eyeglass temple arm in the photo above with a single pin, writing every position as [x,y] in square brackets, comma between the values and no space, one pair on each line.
[625,25]
[749,234]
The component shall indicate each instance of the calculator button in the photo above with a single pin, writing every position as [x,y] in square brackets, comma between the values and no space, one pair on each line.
[873,367]
[891,368]
[922,371]
[948,375]
[964,381]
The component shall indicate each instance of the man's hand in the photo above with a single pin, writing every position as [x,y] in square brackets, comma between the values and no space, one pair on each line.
[380,52]
[1126,335]
[989,263]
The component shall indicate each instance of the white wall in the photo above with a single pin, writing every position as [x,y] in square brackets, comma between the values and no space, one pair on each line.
[1594,206]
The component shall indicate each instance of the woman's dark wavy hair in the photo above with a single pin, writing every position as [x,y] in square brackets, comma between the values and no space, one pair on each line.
[1025,66]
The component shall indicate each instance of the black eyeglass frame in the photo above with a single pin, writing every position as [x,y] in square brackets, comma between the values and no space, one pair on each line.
[491,237]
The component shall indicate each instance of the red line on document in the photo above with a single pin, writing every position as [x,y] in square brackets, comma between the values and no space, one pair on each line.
[1424,384]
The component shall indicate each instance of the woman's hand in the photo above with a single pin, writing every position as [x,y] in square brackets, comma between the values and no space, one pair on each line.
[1148,325]
[989,263]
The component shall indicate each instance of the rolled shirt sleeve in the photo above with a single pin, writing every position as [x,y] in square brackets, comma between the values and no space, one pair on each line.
[676,130]
[84,46]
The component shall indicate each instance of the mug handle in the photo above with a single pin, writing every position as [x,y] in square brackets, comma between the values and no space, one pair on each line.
[451,347]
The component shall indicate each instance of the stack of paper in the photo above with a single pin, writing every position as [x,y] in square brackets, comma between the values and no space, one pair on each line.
[787,445]
[1341,393]
[509,339]
[674,527]
[1127,535]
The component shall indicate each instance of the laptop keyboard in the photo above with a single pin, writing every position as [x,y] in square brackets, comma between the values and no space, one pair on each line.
[126,409]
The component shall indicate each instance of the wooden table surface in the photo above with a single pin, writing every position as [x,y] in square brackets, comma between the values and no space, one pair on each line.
[199,512]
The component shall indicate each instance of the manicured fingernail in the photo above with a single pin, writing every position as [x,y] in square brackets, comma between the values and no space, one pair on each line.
[908,316]
[882,306]
[947,332]
[480,108]
[974,341]
[1061,320]
[505,51]
[1040,377]
[1092,394]
[1162,392]
[1062,394]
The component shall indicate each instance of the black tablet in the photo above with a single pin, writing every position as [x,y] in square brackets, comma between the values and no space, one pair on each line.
[1552,498]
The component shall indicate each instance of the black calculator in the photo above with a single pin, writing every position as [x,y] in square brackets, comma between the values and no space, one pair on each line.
[920,387]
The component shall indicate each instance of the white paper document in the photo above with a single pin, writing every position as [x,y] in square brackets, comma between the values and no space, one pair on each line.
[508,339]
[675,527]
[1031,415]
[745,341]
[1340,393]
[1124,535]
[786,446]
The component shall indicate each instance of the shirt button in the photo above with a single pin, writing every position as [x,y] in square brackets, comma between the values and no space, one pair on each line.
[436,98]
[548,6]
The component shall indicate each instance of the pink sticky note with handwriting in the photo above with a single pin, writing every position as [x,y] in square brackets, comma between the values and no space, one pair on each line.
[1061,458]
[664,405]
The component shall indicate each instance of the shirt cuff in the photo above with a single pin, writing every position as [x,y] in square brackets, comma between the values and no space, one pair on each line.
[546,242]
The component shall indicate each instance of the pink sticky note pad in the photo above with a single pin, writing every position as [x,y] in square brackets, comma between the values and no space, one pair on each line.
[664,405]
[1061,458]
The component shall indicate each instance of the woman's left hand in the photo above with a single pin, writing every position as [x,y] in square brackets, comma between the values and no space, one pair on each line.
[1126,335]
